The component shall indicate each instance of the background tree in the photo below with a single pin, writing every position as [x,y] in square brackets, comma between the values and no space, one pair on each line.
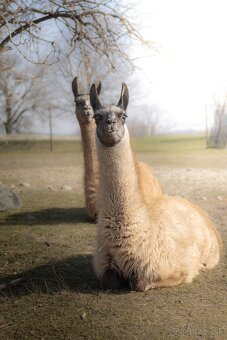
[56,101]
[19,93]
[218,133]
[145,120]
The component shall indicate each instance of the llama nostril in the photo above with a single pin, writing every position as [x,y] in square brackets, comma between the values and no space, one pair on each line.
[110,121]
[86,107]
[87,110]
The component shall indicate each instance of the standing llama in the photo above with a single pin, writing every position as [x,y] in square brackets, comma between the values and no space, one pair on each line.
[84,113]
[162,243]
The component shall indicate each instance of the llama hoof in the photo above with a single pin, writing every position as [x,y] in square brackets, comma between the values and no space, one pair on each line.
[139,285]
[133,283]
[111,280]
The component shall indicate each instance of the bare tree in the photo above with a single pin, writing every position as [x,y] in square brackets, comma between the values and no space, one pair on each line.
[19,93]
[102,27]
[55,100]
[218,134]
[145,120]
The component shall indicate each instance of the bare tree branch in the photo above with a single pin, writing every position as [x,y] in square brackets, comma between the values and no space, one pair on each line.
[101,25]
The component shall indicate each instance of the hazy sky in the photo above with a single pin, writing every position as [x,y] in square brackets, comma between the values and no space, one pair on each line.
[190,67]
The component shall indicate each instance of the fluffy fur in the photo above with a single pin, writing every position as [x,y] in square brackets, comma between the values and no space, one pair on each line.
[147,242]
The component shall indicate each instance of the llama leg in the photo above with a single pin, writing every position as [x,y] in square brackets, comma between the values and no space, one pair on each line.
[142,284]
[111,280]
[105,271]
[171,282]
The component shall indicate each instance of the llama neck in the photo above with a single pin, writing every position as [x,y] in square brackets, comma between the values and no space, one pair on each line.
[118,175]
[89,149]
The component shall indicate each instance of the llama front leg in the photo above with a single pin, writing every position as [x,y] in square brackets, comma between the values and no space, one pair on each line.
[141,284]
[105,271]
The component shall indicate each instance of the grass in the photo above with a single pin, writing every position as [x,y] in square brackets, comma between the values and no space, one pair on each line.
[47,247]
[39,145]
[154,144]
[170,143]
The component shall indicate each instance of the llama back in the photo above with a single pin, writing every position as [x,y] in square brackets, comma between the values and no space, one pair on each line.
[148,184]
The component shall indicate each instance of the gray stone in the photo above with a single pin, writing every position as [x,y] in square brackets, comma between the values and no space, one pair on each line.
[9,199]
[24,185]
[31,218]
[66,188]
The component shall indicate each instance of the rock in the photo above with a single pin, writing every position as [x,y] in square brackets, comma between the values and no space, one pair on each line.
[31,218]
[49,187]
[66,188]
[219,198]
[9,199]
[83,315]
[24,185]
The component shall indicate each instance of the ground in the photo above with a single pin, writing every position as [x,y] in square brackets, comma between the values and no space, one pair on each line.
[48,289]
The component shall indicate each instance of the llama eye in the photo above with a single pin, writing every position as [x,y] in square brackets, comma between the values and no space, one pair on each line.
[124,116]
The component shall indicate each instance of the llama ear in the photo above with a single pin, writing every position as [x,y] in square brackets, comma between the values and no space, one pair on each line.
[123,102]
[75,87]
[94,99]
[99,87]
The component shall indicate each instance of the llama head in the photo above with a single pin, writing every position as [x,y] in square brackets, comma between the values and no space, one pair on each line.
[110,119]
[84,112]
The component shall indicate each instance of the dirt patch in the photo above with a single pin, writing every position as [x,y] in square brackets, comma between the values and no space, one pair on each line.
[195,183]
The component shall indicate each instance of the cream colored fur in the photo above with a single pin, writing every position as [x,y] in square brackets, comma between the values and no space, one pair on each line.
[90,166]
[149,186]
[161,241]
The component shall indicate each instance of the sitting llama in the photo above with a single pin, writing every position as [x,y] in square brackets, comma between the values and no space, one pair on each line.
[84,113]
[163,243]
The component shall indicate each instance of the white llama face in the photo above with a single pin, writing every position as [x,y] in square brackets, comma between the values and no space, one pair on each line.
[110,124]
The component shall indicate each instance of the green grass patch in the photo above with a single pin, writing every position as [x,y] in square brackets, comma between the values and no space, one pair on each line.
[170,143]
[28,145]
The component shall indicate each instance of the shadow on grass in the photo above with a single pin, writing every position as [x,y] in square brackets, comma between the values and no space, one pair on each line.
[72,274]
[48,217]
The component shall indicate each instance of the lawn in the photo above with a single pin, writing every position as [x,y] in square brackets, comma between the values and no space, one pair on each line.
[46,247]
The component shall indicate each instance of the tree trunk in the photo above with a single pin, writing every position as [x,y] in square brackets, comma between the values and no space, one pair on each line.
[9,127]
[9,115]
